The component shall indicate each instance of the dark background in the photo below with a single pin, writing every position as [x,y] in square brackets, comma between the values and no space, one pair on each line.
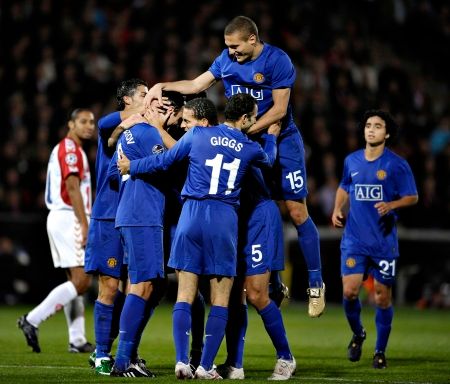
[350,56]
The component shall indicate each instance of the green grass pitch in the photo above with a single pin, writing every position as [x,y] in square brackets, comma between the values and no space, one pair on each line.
[419,349]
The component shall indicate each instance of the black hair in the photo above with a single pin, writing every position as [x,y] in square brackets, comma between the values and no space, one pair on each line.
[203,108]
[74,114]
[175,99]
[192,96]
[242,24]
[391,124]
[127,88]
[239,105]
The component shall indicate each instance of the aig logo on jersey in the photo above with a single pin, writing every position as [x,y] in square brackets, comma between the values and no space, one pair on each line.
[368,192]
[255,93]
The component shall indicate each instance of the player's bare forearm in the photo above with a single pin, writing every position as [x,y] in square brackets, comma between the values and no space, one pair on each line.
[73,190]
[266,120]
[340,204]
[384,207]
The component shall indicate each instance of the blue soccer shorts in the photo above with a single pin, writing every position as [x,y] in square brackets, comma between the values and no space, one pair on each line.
[144,250]
[104,251]
[205,240]
[289,171]
[382,267]
[261,238]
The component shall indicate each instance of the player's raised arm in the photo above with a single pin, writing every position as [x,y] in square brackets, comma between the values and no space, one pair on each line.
[186,87]
[162,162]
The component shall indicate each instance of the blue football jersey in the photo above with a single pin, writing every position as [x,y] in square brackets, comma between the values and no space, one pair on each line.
[218,156]
[272,69]
[141,198]
[107,193]
[386,179]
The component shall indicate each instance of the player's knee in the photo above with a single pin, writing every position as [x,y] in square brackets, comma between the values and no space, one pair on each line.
[382,300]
[298,212]
[107,291]
[258,298]
[351,292]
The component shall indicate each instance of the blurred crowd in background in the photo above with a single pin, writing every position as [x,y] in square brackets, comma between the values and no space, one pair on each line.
[350,56]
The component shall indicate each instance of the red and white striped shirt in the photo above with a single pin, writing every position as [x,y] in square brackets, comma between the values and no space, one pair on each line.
[67,158]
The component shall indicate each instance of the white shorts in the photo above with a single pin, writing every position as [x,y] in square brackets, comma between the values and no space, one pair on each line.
[64,234]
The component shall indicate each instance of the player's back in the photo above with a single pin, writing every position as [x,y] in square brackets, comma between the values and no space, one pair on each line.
[218,159]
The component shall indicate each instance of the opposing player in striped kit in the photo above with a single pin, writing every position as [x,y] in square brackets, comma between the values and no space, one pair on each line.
[68,197]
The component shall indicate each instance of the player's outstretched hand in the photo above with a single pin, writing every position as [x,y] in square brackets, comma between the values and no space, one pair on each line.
[123,164]
[154,93]
[133,119]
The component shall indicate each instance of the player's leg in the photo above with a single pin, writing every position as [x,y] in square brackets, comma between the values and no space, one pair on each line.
[144,248]
[257,294]
[352,307]
[104,258]
[294,190]
[215,325]
[66,252]
[383,279]
[235,332]
[197,330]
[182,321]
[74,312]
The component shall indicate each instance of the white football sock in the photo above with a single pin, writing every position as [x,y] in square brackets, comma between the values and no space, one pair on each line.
[54,302]
[74,311]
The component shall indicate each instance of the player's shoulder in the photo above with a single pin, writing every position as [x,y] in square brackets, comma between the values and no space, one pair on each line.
[275,52]
[355,155]
[68,145]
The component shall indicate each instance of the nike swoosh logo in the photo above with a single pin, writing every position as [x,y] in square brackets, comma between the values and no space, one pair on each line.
[353,174]
[187,333]
[297,190]
[256,265]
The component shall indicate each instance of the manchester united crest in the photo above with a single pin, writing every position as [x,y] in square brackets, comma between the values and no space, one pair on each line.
[112,262]
[381,174]
[258,77]
[350,262]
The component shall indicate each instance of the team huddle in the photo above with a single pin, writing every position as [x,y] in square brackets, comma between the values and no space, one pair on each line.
[177,191]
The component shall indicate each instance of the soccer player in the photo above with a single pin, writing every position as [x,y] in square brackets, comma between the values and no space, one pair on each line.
[265,72]
[206,235]
[104,251]
[139,218]
[375,183]
[68,197]
[260,253]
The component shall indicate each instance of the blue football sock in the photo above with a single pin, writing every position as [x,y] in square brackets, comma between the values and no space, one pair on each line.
[119,301]
[130,323]
[103,314]
[383,322]
[235,332]
[198,322]
[214,332]
[273,322]
[352,310]
[308,238]
[149,309]
[181,323]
